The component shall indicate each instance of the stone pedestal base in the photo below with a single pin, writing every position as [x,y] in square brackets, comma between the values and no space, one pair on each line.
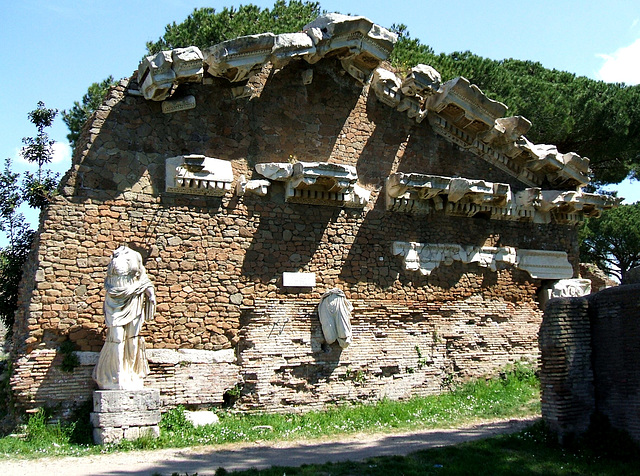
[125,414]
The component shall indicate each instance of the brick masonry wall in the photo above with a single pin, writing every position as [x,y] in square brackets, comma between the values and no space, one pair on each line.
[217,262]
[590,348]
[615,327]
[566,375]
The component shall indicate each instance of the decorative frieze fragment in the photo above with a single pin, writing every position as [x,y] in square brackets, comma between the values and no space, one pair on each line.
[318,183]
[198,175]
[458,196]
[540,264]
[181,104]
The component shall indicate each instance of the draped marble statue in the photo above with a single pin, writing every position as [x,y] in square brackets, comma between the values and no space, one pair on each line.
[335,316]
[129,301]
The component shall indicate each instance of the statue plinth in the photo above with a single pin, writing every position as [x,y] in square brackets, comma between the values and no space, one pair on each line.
[125,415]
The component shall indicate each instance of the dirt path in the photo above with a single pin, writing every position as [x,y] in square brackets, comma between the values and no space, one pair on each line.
[204,460]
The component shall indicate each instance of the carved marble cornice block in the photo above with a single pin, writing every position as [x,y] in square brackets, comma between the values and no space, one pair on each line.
[275,170]
[421,186]
[355,33]
[466,106]
[188,64]
[156,76]
[425,257]
[413,109]
[461,194]
[357,41]
[318,183]
[422,80]
[386,85]
[560,169]
[458,196]
[198,175]
[255,187]
[238,59]
[504,134]
[332,177]
[289,46]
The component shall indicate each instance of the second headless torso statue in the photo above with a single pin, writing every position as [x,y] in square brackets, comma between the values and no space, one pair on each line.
[129,301]
[334,311]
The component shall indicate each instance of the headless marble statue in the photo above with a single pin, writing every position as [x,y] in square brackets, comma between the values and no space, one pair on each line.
[129,301]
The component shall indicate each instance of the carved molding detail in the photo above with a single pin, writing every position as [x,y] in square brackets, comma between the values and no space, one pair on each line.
[198,175]
[425,257]
[318,183]
[422,194]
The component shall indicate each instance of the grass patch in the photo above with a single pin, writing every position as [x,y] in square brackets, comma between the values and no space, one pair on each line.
[513,393]
[533,451]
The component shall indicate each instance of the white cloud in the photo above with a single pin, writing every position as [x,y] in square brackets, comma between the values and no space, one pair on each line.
[61,153]
[623,66]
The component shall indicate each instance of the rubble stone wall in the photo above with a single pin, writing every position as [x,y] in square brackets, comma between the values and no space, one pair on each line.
[217,263]
[589,354]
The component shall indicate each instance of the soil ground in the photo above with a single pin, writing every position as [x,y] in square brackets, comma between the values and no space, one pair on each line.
[204,460]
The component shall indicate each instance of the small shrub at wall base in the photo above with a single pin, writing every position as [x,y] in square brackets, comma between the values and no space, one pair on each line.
[70,359]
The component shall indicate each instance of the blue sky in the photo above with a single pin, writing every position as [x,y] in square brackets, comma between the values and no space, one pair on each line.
[54,49]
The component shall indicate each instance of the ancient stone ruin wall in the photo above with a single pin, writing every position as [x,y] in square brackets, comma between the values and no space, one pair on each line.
[590,351]
[226,325]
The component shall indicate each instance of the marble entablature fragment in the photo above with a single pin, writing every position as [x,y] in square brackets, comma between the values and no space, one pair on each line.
[318,183]
[540,264]
[457,110]
[198,175]
[418,193]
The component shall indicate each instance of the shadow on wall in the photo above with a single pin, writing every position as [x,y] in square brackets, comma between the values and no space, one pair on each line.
[291,120]
[287,237]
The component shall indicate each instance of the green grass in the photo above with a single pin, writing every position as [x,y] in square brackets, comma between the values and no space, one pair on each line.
[513,393]
[533,451]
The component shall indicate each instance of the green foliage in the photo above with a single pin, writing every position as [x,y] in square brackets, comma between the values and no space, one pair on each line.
[175,421]
[595,119]
[77,116]
[39,149]
[612,241]
[14,255]
[39,188]
[12,259]
[70,359]
[206,27]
